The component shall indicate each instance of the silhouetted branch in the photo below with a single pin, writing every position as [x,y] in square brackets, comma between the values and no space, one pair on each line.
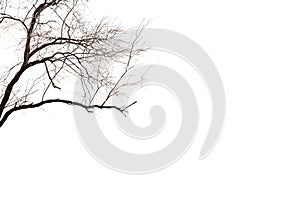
[50,101]
[59,45]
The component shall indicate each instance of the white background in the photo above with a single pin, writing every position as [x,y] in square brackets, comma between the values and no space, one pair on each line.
[255,46]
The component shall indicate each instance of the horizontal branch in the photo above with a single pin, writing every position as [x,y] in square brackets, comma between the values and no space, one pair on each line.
[61,41]
[68,102]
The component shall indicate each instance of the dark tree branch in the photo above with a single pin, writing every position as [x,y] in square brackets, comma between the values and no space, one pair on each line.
[15,79]
[6,16]
[68,102]
[50,78]
[60,47]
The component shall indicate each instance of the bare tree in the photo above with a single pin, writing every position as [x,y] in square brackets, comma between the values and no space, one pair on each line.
[55,45]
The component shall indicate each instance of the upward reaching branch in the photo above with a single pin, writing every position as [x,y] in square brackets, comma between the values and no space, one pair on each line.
[35,16]
[58,45]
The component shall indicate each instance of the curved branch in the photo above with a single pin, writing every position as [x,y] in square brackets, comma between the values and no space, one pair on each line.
[6,16]
[24,67]
[68,102]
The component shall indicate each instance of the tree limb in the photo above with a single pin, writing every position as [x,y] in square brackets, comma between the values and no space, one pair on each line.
[68,102]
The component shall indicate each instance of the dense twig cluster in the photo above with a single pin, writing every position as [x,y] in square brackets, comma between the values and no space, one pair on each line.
[56,45]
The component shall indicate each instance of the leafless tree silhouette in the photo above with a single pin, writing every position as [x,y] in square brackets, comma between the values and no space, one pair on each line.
[55,44]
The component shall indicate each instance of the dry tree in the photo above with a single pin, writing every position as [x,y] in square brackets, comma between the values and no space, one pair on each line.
[57,45]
